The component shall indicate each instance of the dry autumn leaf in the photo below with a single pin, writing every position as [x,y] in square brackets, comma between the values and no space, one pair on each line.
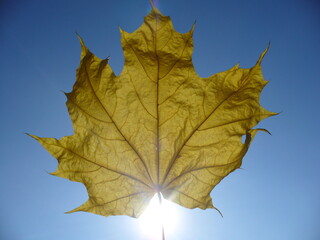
[158,126]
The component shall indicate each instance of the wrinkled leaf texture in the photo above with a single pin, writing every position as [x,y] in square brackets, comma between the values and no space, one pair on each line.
[158,126]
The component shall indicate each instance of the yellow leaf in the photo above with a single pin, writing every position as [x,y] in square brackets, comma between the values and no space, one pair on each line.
[158,126]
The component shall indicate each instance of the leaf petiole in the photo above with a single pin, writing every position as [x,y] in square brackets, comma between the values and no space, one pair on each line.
[162,227]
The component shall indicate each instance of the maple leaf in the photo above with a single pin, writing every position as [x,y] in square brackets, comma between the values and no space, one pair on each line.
[158,126]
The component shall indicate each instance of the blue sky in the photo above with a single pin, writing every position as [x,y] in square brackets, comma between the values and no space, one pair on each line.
[276,194]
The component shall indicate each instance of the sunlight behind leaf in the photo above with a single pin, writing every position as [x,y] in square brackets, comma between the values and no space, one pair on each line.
[155,215]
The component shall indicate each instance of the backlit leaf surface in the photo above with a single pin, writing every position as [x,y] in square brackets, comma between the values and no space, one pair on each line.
[158,126]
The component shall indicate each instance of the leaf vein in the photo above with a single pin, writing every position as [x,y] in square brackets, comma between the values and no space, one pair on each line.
[199,169]
[138,96]
[178,59]
[103,107]
[144,68]
[174,158]
[107,168]
[117,199]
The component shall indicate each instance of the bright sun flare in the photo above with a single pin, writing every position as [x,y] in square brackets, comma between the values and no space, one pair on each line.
[155,215]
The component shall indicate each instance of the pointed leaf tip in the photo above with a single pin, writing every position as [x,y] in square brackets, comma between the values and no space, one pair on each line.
[152,4]
[263,54]
[33,136]
[155,10]
[84,49]
[80,39]
[193,27]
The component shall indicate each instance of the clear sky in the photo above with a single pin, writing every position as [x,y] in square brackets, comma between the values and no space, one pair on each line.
[276,194]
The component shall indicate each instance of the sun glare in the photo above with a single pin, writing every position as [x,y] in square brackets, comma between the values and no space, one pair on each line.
[155,216]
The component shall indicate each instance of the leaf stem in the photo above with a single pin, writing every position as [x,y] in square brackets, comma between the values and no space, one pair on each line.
[162,227]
